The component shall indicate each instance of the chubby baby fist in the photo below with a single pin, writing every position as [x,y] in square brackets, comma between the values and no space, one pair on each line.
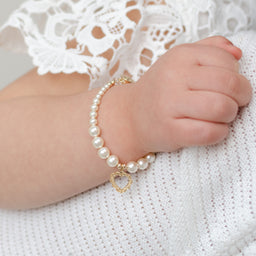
[189,96]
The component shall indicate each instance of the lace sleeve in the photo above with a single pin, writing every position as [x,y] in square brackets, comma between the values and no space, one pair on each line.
[91,37]
[108,38]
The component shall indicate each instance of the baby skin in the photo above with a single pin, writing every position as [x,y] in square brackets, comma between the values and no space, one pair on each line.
[187,98]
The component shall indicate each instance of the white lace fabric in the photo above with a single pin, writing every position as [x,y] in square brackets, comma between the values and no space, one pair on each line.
[109,38]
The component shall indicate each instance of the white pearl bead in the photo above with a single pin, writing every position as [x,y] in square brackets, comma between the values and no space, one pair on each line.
[93,121]
[97,142]
[150,157]
[98,96]
[112,161]
[101,92]
[94,107]
[107,86]
[96,101]
[103,152]
[132,167]
[94,130]
[142,163]
[93,114]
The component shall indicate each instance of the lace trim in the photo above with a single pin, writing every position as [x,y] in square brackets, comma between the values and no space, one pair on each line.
[108,38]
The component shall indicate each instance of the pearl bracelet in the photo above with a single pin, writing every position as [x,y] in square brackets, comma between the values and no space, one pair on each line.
[104,152]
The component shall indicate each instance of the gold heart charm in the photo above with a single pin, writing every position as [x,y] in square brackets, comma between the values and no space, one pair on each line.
[120,174]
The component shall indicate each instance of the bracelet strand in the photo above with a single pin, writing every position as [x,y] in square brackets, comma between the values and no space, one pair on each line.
[104,152]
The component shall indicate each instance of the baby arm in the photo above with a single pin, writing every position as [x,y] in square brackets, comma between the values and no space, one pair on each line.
[46,151]
[186,98]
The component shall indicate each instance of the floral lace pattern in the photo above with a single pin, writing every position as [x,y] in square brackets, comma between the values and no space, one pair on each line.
[108,38]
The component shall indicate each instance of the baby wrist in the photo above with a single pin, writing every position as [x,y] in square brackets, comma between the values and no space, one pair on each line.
[103,151]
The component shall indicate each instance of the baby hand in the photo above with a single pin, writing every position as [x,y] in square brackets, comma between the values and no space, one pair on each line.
[189,96]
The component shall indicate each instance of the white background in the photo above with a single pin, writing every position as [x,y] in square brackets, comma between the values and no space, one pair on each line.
[12,65]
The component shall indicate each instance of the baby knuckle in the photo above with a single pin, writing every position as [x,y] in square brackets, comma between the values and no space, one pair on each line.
[232,111]
[212,134]
[247,90]
[220,39]
[225,109]
[206,135]
[182,48]
[219,107]
[232,83]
